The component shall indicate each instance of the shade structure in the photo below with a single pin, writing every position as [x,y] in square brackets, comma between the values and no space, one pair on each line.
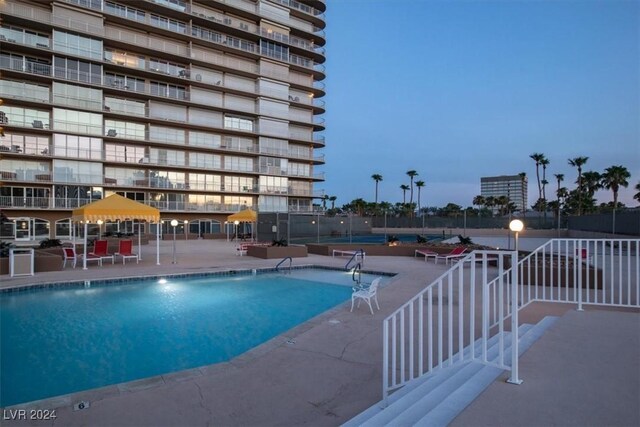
[113,208]
[246,215]
[116,208]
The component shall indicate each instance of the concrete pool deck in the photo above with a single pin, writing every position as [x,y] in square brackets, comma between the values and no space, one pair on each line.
[328,369]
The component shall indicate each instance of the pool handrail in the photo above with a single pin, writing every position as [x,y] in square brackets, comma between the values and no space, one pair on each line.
[358,252]
[282,261]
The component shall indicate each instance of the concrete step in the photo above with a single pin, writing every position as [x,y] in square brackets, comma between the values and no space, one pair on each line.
[441,395]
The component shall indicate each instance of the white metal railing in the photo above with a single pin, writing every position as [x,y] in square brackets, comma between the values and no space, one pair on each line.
[583,271]
[472,304]
[434,329]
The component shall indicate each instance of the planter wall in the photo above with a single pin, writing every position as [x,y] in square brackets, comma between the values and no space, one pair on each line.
[45,260]
[375,250]
[272,252]
[591,277]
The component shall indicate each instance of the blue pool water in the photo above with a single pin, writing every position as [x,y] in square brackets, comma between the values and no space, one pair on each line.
[55,342]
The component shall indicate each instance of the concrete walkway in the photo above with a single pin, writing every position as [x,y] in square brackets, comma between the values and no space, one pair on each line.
[329,374]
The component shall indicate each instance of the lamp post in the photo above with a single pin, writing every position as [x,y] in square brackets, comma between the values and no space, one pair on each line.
[174,223]
[186,231]
[100,222]
[236,223]
[516,226]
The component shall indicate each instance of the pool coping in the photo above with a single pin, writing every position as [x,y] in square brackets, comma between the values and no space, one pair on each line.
[95,394]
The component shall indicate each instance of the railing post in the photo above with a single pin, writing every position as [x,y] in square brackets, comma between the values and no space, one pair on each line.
[578,264]
[385,363]
[514,379]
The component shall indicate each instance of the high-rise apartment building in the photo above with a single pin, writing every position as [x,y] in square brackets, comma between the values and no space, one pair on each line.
[514,187]
[197,107]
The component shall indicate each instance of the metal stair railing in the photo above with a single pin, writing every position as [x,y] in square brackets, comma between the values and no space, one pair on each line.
[431,330]
[580,271]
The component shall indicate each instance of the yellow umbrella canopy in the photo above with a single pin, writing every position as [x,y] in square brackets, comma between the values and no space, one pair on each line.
[113,208]
[246,215]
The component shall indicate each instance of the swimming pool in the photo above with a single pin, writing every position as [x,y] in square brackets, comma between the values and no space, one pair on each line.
[60,341]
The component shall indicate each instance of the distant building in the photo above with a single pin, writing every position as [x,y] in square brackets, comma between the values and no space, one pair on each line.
[512,186]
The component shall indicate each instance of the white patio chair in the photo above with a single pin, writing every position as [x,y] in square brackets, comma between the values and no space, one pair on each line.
[366,294]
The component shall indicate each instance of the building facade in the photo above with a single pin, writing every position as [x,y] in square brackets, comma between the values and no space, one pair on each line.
[514,187]
[200,108]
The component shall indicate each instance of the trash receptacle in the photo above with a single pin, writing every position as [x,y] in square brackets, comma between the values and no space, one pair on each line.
[21,262]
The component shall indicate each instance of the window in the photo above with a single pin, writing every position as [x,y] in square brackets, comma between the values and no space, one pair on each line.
[239,184]
[27,144]
[161,156]
[238,164]
[28,91]
[23,170]
[238,123]
[77,121]
[274,184]
[127,106]
[77,45]
[205,161]
[273,166]
[81,71]
[121,81]
[299,169]
[77,96]
[274,50]
[205,182]
[82,147]
[77,171]
[167,90]
[124,58]
[166,67]
[166,134]
[125,153]
[204,139]
[121,129]
[124,11]
[168,24]
[73,196]
[18,116]
[23,36]
[272,204]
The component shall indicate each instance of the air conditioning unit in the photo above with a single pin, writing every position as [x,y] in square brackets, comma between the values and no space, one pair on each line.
[198,77]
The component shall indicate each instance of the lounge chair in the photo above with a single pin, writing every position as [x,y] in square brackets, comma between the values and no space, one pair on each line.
[69,255]
[456,253]
[366,294]
[124,251]
[426,253]
[101,250]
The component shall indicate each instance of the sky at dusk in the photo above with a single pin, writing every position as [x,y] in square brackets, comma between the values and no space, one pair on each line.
[457,90]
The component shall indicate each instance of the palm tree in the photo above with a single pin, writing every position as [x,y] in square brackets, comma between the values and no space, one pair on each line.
[479,201]
[377,178]
[411,174]
[613,178]
[544,162]
[324,201]
[490,202]
[404,188]
[637,195]
[538,157]
[333,199]
[591,182]
[419,186]
[578,162]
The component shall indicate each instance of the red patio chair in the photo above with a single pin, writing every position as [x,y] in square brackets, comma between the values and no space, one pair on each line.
[124,250]
[101,250]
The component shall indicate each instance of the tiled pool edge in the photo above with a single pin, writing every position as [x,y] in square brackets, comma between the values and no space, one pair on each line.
[226,273]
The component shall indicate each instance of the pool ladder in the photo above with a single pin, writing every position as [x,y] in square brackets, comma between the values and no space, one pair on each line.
[282,262]
[358,253]
[356,275]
